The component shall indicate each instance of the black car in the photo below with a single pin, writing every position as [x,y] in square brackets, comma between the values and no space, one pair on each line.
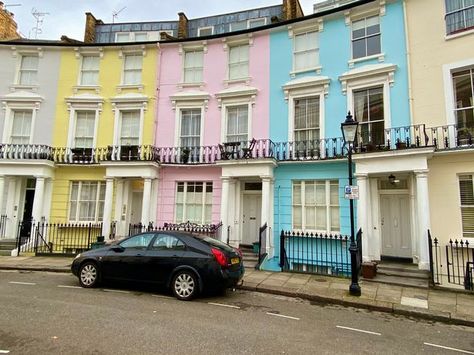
[186,263]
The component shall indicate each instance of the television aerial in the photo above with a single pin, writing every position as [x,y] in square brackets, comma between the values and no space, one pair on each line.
[116,13]
[39,16]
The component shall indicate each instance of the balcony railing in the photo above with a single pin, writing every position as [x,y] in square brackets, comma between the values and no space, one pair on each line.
[409,137]
[25,151]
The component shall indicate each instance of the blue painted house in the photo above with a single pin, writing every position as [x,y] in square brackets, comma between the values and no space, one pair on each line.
[347,56]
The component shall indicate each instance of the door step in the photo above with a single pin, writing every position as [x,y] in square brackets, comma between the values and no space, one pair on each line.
[401,274]
[250,259]
[6,246]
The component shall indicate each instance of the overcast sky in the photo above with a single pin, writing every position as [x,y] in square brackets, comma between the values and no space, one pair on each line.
[67,17]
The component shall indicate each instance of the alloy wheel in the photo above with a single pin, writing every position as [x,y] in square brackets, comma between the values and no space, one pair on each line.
[88,275]
[184,285]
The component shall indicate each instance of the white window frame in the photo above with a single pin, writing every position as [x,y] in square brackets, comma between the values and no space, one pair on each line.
[185,52]
[225,120]
[449,94]
[122,112]
[179,122]
[205,28]
[317,66]
[366,57]
[310,87]
[327,205]
[81,71]
[203,201]
[255,20]
[76,114]
[229,49]
[366,88]
[19,69]
[464,29]
[10,107]
[127,107]
[378,75]
[461,206]
[11,127]
[241,29]
[77,104]
[124,57]
[101,185]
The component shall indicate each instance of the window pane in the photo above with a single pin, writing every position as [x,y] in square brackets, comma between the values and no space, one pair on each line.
[466,190]
[463,91]
[240,25]
[358,48]
[373,45]
[310,218]
[297,218]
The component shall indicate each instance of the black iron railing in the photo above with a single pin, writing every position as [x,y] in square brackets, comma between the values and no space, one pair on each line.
[211,230]
[56,238]
[396,138]
[262,244]
[451,264]
[315,253]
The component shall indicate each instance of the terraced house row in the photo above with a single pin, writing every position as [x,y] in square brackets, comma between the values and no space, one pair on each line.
[235,121]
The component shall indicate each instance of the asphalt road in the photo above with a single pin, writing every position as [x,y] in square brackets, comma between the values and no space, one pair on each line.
[47,313]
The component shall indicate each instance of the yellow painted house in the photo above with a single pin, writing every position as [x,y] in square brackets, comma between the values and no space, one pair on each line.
[103,137]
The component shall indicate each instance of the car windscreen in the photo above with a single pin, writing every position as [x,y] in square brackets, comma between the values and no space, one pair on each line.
[214,242]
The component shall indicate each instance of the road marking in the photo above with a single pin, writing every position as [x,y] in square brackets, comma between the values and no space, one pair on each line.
[164,297]
[448,348]
[22,283]
[66,286]
[282,316]
[358,330]
[223,305]
[4,351]
[116,291]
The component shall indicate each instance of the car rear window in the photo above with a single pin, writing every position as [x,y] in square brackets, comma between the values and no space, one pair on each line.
[215,243]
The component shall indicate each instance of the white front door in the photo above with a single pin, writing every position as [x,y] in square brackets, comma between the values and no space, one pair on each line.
[396,226]
[251,217]
[136,213]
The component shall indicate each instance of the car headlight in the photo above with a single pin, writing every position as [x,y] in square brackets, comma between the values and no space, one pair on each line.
[78,256]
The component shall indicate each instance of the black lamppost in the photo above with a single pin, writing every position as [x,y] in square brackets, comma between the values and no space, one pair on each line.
[349,132]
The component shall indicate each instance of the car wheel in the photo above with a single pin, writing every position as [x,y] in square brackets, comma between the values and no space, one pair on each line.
[184,285]
[89,274]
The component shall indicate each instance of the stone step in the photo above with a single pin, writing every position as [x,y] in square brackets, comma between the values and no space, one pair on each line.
[407,274]
[5,252]
[399,281]
[249,264]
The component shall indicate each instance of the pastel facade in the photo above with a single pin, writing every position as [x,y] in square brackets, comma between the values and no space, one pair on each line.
[104,125]
[28,86]
[225,93]
[442,96]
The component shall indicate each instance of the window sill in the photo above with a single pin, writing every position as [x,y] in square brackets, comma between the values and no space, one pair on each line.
[245,80]
[191,85]
[121,87]
[95,88]
[380,57]
[307,70]
[18,87]
[462,33]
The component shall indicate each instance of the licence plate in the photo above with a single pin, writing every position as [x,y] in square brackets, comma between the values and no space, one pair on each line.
[234,261]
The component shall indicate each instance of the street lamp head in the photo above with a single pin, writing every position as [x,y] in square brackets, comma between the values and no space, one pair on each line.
[349,129]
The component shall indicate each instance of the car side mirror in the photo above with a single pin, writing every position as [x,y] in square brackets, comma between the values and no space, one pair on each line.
[118,248]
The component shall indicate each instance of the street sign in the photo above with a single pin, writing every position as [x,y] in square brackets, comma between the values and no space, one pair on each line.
[351,192]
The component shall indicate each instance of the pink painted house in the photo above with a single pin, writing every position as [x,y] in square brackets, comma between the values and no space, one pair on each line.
[212,114]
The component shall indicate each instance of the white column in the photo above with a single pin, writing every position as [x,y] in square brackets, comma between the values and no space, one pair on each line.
[38,199]
[154,201]
[225,207]
[146,201]
[2,191]
[423,211]
[266,208]
[107,217]
[362,215]
[120,228]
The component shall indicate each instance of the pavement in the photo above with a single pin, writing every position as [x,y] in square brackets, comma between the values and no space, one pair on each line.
[432,304]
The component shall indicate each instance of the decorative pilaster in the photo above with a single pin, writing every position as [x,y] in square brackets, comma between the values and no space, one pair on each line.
[423,212]
[362,214]
[146,201]
[225,207]
[107,217]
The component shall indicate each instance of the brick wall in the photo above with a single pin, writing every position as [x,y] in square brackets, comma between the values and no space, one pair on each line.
[89,32]
[182,25]
[8,26]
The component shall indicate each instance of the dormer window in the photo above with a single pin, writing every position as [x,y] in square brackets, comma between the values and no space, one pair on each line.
[205,31]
